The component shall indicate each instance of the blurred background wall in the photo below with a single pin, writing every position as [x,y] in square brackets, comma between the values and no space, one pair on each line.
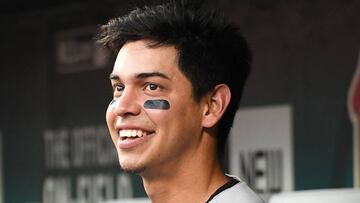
[55,90]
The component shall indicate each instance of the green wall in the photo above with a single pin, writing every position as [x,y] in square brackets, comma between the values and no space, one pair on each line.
[304,55]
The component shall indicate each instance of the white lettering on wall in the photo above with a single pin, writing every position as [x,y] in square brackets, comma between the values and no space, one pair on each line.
[56,149]
[91,146]
[57,190]
[71,158]
[262,169]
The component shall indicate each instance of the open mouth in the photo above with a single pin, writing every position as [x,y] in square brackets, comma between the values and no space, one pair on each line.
[130,138]
[132,134]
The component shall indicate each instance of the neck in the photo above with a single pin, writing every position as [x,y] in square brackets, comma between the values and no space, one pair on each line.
[193,179]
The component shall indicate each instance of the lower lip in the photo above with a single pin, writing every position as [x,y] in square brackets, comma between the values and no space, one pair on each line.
[131,142]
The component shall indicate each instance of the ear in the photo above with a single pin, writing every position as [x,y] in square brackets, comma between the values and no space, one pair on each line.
[217,102]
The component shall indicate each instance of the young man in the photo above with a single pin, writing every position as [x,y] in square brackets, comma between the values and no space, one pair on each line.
[177,80]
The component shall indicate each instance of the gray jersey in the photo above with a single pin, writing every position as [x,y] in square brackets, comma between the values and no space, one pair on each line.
[235,191]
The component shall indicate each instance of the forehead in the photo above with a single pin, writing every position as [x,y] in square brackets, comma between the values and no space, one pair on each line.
[136,57]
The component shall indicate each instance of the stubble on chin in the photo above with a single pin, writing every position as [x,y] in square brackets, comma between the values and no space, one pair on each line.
[135,170]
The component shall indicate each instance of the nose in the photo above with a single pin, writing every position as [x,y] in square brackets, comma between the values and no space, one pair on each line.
[126,104]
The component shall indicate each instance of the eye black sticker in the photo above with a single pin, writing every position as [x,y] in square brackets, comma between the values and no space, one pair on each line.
[157,104]
[112,102]
[111,105]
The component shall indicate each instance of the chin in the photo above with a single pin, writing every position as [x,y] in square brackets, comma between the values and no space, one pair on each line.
[137,171]
[131,167]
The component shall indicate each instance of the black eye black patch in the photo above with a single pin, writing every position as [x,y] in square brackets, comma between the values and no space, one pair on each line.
[157,104]
[112,102]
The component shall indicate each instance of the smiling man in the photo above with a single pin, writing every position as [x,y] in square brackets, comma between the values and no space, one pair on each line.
[177,83]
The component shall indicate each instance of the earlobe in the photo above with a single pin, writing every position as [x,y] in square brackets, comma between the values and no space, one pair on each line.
[217,102]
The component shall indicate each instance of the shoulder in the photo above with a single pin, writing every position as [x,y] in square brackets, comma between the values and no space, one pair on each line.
[240,192]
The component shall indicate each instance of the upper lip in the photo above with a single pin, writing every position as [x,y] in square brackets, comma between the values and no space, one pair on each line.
[131,127]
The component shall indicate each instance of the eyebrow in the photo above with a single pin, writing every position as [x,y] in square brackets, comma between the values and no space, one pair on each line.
[151,74]
[141,75]
[112,76]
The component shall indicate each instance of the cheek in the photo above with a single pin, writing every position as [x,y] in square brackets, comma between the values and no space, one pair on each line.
[158,110]
[111,106]
[159,104]
[110,123]
[165,118]
[109,113]
[156,116]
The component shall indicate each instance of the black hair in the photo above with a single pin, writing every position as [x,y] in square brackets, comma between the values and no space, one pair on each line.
[211,50]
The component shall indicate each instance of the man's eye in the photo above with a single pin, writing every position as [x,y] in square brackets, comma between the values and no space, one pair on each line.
[119,88]
[152,87]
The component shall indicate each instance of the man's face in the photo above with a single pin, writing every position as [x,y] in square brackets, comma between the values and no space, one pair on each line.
[152,137]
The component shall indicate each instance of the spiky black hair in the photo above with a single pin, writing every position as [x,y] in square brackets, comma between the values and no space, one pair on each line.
[211,50]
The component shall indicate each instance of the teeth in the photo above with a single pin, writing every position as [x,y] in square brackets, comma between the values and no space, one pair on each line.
[132,133]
